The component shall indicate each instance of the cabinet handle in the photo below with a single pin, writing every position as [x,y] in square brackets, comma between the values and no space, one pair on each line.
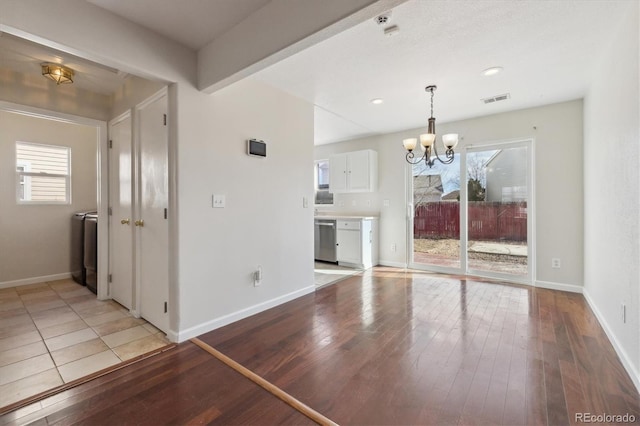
[139,223]
[125,221]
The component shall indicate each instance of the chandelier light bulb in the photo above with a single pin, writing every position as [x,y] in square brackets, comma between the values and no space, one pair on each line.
[450,140]
[410,144]
[427,139]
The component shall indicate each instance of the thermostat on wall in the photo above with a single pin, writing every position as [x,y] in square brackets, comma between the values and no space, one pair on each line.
[256,148]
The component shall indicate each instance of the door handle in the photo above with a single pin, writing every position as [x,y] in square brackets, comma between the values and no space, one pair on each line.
[139,223]
[125,221]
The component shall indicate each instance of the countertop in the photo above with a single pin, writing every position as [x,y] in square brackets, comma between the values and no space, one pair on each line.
[340,216]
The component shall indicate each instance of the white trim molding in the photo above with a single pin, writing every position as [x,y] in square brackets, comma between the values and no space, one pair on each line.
[35,280]
[392,264]
[622,354]
[572,288]
[197,330]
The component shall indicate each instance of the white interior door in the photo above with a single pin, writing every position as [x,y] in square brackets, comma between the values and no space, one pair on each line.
[121,219]
[152,249]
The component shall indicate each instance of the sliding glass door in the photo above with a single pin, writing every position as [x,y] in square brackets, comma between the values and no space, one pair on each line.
[436,215]
[498,194]
[481,227]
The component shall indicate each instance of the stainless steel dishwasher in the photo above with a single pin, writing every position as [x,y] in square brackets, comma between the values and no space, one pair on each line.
[325,240]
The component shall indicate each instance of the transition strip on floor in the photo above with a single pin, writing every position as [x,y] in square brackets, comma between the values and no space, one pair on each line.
[268,386]
[66,386]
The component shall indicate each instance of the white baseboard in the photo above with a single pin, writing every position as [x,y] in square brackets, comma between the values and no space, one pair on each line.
[622,354]
[35,280]
[172,336]
[572,288]
[392,264]
[238,315]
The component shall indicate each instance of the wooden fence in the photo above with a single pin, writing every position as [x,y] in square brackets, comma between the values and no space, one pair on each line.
[493,221]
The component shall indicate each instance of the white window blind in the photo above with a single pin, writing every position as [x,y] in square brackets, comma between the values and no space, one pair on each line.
[43,174]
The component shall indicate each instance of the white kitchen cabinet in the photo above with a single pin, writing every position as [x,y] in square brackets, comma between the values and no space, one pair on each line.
[357,242]
[353,172]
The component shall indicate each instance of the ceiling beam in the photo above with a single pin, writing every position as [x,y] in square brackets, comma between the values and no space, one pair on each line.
[278,30]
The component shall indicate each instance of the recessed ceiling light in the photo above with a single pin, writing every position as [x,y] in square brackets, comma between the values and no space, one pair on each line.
[492,71]
[377,101]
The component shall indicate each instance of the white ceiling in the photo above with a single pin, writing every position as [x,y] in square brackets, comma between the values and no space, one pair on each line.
[192,23]
[25,57]
[547,49]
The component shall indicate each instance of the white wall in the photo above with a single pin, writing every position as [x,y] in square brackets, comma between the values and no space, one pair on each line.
[36,238]
[264,222]
[558,182]
[612,191]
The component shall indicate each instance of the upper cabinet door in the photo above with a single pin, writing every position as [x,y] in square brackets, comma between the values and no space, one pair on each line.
[359,173]
[353,172]
[338,173]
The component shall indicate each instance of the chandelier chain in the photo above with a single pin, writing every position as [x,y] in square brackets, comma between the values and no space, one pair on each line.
[431,103]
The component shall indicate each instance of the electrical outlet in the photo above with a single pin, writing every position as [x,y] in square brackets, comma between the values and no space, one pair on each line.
[219,201]
[555,262]
[305,202]
[257,276]
[393,247]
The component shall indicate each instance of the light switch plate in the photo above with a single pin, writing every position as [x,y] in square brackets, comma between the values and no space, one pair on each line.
[219,201]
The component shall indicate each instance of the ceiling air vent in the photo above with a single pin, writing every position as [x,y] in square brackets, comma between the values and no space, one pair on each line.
[496,98]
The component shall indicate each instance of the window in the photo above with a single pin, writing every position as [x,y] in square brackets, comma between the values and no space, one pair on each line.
[321,172]
[43,174]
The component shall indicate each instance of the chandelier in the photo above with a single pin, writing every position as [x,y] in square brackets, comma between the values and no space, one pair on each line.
[427,141]
[58,73]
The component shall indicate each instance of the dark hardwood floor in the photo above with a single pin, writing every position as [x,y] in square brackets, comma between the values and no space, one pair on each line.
[385,347]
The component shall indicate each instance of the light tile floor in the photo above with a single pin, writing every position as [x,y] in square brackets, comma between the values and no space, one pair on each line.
[56,332]
[326,273]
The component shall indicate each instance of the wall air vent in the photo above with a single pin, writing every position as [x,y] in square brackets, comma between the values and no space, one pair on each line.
[496,98]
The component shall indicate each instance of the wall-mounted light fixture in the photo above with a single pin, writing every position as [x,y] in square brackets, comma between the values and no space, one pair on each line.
[58,73]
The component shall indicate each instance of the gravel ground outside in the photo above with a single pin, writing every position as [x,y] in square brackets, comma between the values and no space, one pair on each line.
[451,248]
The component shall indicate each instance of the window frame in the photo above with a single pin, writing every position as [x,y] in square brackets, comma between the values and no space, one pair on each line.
[25,173]
[316,184]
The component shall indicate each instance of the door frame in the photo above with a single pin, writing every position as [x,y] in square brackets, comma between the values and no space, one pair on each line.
[529,279]
[102,167]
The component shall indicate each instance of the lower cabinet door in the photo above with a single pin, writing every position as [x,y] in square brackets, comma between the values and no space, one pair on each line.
[349,249]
